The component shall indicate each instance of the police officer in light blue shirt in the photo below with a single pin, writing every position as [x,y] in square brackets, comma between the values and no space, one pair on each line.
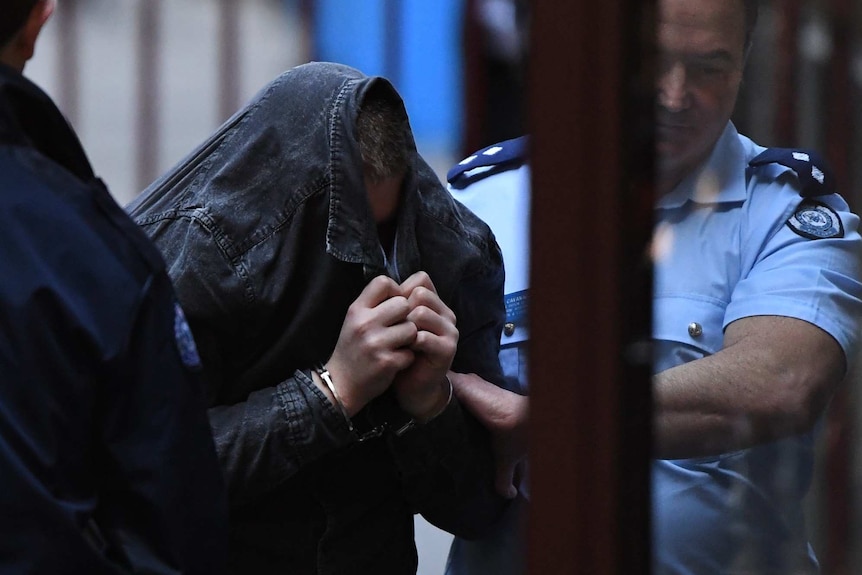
[782,255]
[757,307]
[495,184]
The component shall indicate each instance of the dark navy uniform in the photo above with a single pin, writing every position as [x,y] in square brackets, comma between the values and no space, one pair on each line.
[107,464]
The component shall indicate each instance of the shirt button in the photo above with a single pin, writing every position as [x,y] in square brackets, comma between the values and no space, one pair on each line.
[695,329]
[509,329]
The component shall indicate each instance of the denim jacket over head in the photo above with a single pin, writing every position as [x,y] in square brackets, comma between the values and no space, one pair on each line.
[269,238]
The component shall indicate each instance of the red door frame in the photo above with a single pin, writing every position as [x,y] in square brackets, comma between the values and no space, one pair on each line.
[591,218]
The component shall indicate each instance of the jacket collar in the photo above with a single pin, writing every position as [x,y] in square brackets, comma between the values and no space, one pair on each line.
[28,117]
[351,233]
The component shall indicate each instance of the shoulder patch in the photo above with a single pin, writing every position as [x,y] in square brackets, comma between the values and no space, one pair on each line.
[816,221]
[814,173]
[185,340]
[487,161]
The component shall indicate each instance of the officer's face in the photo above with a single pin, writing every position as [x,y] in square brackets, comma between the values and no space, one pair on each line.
[701,57]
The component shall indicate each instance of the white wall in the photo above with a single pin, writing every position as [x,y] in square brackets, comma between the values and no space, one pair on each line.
[187,48]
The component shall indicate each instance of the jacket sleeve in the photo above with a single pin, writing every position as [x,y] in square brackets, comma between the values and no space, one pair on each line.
[263,435]
[447,465]
[266,436]
[163,505]
[267,439]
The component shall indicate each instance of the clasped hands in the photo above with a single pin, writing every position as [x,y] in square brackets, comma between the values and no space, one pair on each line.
[401,336]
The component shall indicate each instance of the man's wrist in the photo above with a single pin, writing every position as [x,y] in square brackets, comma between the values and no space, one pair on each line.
[436,405]
[325,383]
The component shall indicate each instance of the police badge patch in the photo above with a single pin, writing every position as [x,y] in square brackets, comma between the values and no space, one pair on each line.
[815,220]
[185,340]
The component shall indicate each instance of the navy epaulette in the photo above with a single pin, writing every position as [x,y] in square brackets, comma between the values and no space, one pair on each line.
[487,161]
[814,173]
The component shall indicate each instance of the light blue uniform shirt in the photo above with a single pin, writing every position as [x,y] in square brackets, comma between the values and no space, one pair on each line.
[502,200]
[734,242]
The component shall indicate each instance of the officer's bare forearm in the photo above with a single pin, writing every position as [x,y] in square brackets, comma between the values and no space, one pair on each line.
[773,378]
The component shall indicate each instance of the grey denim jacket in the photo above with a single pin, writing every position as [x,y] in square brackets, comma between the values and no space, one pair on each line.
[269,238]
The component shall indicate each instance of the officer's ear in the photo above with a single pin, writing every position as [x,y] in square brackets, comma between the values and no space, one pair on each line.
[22,46]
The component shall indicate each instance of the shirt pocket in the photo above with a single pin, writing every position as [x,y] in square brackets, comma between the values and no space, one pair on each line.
[689,320]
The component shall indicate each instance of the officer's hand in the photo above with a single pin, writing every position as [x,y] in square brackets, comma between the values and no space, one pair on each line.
[422,389]
[505,415]
[374,344]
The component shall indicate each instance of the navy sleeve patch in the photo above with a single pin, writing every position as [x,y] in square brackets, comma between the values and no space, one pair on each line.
[814,173]
[487,161]
[185,340]
[816,221]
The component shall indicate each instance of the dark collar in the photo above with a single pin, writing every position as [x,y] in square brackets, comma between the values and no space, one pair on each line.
[28,117]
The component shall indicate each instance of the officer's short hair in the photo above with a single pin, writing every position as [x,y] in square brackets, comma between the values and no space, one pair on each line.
[14,14]
[382,128]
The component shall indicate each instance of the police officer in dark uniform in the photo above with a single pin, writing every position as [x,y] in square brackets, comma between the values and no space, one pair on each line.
[107,464]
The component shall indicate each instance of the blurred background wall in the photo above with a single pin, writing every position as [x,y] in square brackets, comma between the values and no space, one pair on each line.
[144,81]
[803,87]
